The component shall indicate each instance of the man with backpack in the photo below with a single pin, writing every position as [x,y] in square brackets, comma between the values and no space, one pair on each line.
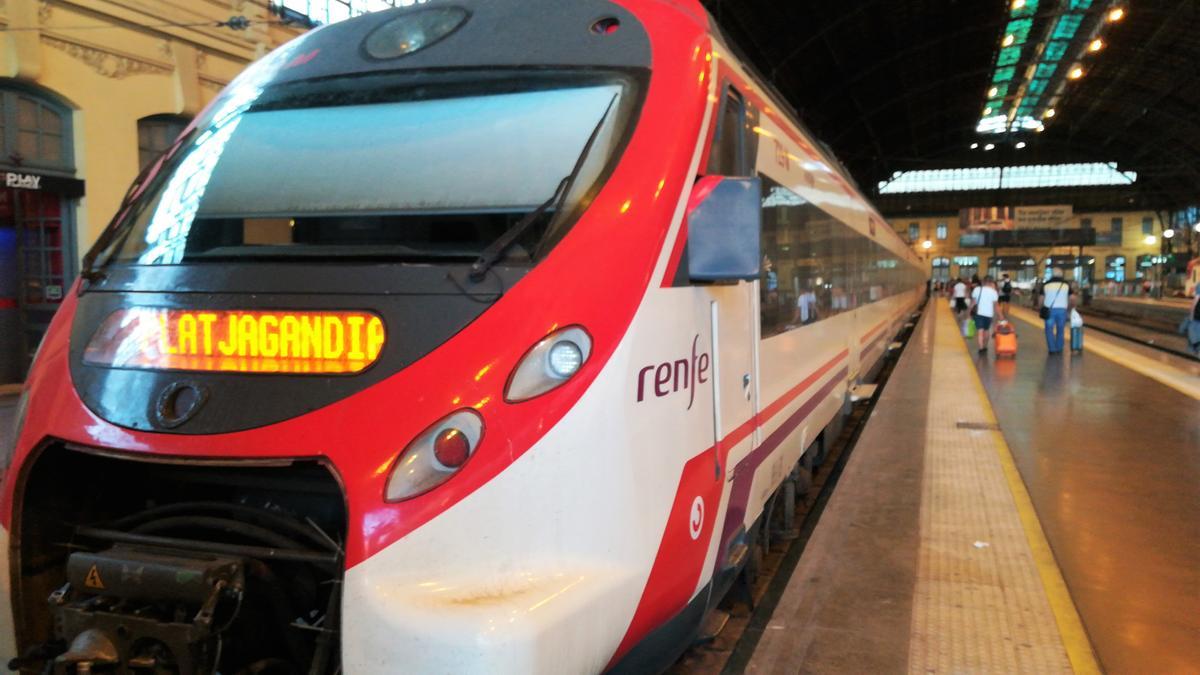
[1006,289]
[1056,301]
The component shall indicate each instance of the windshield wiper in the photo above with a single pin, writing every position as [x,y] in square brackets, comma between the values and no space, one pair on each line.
[496,249]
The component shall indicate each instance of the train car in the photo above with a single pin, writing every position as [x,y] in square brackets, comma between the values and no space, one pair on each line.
[465,337]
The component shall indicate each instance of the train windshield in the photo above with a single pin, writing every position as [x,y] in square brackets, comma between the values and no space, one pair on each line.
[406,168]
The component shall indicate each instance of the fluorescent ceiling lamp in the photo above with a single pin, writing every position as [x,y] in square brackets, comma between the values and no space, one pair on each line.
[1008,178]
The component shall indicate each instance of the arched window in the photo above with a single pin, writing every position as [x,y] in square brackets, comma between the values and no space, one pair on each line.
[155,134]
[34,131]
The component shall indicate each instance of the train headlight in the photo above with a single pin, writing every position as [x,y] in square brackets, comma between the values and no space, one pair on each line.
[436,455]
[549,364]
[413,31]
[565,359]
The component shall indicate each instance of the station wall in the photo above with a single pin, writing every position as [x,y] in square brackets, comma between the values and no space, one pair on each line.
[1134,227]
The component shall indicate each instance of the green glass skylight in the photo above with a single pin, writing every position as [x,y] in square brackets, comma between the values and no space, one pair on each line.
[1016,106]
[1009,56]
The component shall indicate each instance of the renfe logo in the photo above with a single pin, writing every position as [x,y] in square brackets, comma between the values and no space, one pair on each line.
[671,376]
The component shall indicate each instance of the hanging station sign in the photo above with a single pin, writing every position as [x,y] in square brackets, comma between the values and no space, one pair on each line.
[1055,215]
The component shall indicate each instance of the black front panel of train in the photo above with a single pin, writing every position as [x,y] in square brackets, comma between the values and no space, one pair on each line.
[498,34]
[421,307]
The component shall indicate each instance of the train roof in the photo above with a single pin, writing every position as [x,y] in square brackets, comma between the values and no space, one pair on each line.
[494,35]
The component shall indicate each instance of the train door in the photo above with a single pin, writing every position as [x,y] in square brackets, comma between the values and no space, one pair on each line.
[734,325]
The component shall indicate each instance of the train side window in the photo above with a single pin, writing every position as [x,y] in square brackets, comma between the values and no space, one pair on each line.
[729,148]
[816,266]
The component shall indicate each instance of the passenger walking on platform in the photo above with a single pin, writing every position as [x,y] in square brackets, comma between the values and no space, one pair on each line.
[1056,301]
[959,293]
[1006,289]
[985,303]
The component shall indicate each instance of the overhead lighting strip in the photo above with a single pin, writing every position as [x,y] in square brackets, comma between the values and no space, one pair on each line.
[1018,97]
[1016,35]
[1007,178]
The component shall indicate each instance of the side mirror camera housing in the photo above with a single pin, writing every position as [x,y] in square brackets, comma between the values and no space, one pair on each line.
[725,229]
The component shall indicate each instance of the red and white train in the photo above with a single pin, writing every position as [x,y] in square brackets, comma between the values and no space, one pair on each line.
[467,337]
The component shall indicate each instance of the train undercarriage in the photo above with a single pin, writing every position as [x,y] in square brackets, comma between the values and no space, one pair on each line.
[124,566]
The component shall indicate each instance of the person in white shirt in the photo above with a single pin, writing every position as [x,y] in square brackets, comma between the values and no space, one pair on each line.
[985,307]
[806,307]
[959,292]
[1058,298]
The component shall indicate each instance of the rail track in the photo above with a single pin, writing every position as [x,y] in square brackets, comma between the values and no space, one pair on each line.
[1152,335]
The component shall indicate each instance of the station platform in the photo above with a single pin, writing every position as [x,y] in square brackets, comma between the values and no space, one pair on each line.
[1038,514]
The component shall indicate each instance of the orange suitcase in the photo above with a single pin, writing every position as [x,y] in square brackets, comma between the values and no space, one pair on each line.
[1006,339]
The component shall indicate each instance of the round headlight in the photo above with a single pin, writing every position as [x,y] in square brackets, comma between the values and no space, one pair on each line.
[565,358]
[413,31]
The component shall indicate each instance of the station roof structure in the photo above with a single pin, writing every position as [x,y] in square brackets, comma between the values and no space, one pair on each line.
[895,86]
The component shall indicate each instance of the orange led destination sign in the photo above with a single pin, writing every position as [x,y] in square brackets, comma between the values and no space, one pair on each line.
[238,341]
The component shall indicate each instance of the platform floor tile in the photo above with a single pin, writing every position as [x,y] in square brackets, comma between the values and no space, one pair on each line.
[980,605]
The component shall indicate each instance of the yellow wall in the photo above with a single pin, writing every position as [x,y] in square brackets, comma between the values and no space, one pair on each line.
[132,68]
[1133,240]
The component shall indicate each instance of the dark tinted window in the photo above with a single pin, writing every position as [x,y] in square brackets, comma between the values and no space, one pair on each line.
[735,145]
[815,266]
[155,135]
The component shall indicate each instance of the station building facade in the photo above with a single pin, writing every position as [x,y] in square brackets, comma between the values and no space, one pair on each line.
[91,91]
[1126,257]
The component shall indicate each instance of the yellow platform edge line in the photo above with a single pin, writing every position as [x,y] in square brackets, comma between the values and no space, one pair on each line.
[1070,626]
[1124,357]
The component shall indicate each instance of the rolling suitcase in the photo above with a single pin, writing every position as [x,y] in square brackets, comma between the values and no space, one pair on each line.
[1076,338]
[1006,339]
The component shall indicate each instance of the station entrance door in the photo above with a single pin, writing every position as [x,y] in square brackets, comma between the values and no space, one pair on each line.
[33,273]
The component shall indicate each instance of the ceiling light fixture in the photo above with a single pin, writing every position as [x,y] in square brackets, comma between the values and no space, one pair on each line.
[1050,112]
[990,146]
[1116,14]
[992,92]
[1008,40]
[974,145]
[1096,45]
[1020,144]
[1018,4]
[1075,73]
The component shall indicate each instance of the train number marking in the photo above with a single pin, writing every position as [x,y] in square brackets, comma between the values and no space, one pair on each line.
[671,376]
[782,157]
[697,521]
